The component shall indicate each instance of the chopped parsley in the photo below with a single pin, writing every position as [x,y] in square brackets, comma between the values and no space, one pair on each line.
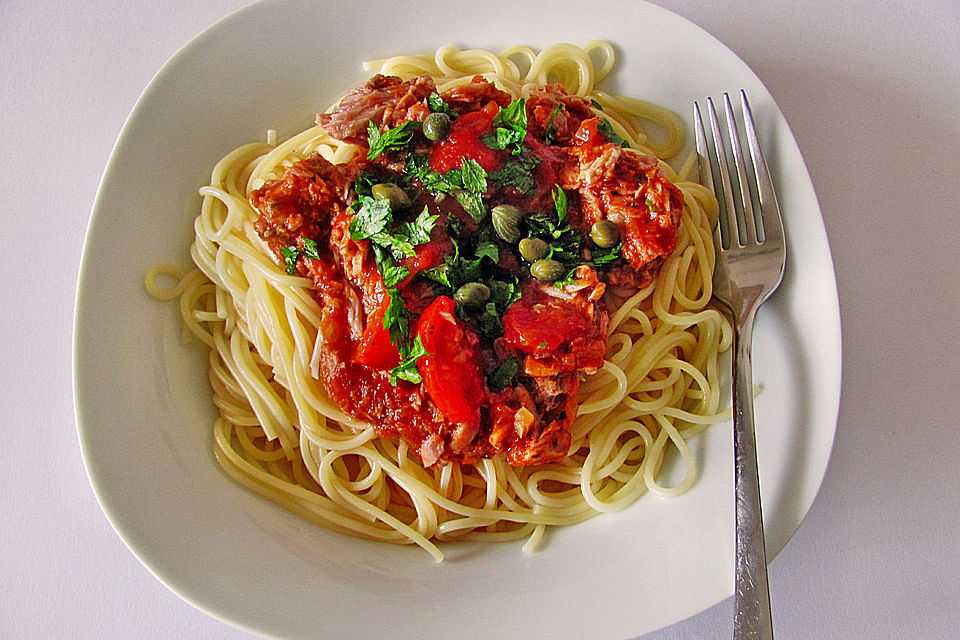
[396,319]
[438,105]
[372,217]
[489,249]
[473,177]
[310,249]
[509,128]
[407,369]
[596,105]
[513,116]
[600,255]
[566,243]
[392,272]
[551,129]
[419,230]
[467,184]
[372,222]
[560,202]
[393,139]
[517,173]
[503,375]
[606,130]
[489,322]
[363,183]
[290,255]
[472,203]
[504,293]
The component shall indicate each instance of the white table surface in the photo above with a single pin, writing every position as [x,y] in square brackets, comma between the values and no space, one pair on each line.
[872,93]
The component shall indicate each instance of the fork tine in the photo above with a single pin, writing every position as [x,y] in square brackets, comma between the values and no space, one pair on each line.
[769,209]
[750,226]
[703,153]
[730,217]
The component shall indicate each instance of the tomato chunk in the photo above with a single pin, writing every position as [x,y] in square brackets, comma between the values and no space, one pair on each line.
[375,348]
[451,371]
[544,326]
[463,141]
[587,134]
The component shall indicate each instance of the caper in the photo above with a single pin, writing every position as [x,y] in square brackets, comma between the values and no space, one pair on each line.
[388,191]
[436,126]
[506,222]
[472,294]
[533,249]
[546,270]
[605,233]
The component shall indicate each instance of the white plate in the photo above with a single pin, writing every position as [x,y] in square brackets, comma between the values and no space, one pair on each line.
[143,403]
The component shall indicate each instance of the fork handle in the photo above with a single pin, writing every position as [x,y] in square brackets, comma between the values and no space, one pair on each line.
[752,619]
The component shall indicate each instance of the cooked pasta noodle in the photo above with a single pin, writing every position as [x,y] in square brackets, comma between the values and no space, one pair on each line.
[280,435]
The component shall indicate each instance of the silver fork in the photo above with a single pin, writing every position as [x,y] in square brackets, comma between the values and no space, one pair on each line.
[750,261]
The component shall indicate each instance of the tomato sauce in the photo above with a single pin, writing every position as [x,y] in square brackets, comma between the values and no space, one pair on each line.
[464,141]
[493,377]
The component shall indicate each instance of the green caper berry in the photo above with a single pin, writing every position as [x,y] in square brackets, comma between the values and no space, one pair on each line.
[436,126]
[533,249]
[472,294]
[388,191]
[546,270]
[605,233]
[506,222]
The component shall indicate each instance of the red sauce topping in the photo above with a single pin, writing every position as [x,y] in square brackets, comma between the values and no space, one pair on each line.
[463,141]
[500,375]
[451,371]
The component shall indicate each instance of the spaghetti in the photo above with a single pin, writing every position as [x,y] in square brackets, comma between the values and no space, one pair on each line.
[280,434]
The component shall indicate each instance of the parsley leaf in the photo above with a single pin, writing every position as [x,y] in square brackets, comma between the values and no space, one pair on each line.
[419,230]
[512,116]
[439,274]
[407,369]
[416,166]
[506,137]
[510,127]
[489,322]
[363,184]
[438,105]
[601,256]
[396,319]
[560,202]
[596,104]
[290,255]
[372,218]
[371,223]
[504,293]
[503,375]
[566,243]
[398,244]
[551,129]
[455,227]
[606,130]
[310,249]
[392,272]
[393,139]
[472,203]
[489,249]
[517,173]
[473,177]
